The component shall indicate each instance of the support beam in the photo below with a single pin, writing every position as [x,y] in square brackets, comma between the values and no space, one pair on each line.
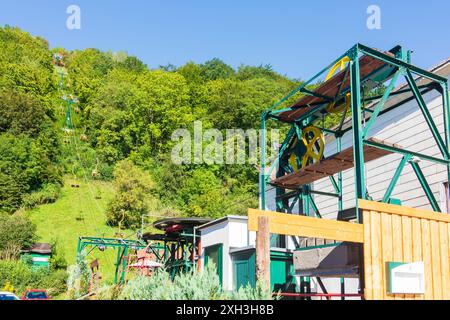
[322,193]
[425,186]
[317,95]
[380,104]
[405,152]
[302,226]
[397,92]
[340,184]
[395,178]
[314,206]
[263,251]
[262,173]
[426,113]
[358,153]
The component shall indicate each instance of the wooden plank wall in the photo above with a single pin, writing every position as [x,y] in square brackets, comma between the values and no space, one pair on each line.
[403,234]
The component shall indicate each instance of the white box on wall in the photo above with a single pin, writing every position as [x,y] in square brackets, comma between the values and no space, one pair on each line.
[406,278]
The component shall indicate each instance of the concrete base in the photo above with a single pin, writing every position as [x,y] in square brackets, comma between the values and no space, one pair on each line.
[340,260]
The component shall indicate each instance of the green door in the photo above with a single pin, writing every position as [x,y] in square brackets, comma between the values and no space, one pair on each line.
[244,269]
[242,272]
[214,254]
[278,274]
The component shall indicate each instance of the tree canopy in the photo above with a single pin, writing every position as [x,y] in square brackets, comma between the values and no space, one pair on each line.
[126,115]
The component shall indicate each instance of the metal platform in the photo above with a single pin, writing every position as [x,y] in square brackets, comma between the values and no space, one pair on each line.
[329,166]
[370,67]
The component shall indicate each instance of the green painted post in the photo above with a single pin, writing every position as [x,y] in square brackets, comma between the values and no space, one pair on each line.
[358,153]
[69,114]
[339,149]
[395,178]
[116,274]
[305,200]
[340,204]
[124,265]
[425,186]
[262,175]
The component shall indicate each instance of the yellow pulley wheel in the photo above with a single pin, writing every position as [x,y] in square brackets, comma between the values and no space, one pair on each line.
[293,158]
[293,161]
[332,108]
[313,139]
[338,65]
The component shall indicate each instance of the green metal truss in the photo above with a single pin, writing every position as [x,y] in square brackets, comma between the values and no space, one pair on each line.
[400,60]
[176,257]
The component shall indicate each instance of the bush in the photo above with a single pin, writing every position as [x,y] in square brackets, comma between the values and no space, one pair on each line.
[131,200]
[22,277]
[48,194]
[106,171]
[260,292]
[188,286]
[58,258]
[16,232]
[78,277]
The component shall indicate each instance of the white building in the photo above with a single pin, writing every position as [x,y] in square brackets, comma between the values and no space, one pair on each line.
[228,243]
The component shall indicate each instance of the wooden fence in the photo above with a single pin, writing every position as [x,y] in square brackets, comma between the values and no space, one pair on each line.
[403,234]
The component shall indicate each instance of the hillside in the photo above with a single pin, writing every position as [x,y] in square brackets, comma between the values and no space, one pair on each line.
[78,212]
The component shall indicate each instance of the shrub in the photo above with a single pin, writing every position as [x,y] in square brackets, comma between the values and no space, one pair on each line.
[16,232]
[188,286]
[78,277]
[131,201]
[260,292]
[22,277]
[58,258]
[48,194]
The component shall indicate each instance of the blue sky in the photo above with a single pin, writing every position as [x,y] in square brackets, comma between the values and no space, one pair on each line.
[297,38]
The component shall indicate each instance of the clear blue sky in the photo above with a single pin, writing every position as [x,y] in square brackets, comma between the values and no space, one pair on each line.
[297,38]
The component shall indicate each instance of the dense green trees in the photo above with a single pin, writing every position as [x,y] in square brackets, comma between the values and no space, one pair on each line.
[16,233]
[29,146]
[132,200]
[126,111]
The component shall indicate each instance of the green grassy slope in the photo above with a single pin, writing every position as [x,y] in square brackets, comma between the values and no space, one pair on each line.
[78,212]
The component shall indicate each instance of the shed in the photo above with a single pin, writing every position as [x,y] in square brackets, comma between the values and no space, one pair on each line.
[228,243]
[40,254]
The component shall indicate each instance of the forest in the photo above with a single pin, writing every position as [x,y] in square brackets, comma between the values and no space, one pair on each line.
[126,113]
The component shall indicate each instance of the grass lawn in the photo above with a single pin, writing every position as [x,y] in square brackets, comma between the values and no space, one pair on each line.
[79,212]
